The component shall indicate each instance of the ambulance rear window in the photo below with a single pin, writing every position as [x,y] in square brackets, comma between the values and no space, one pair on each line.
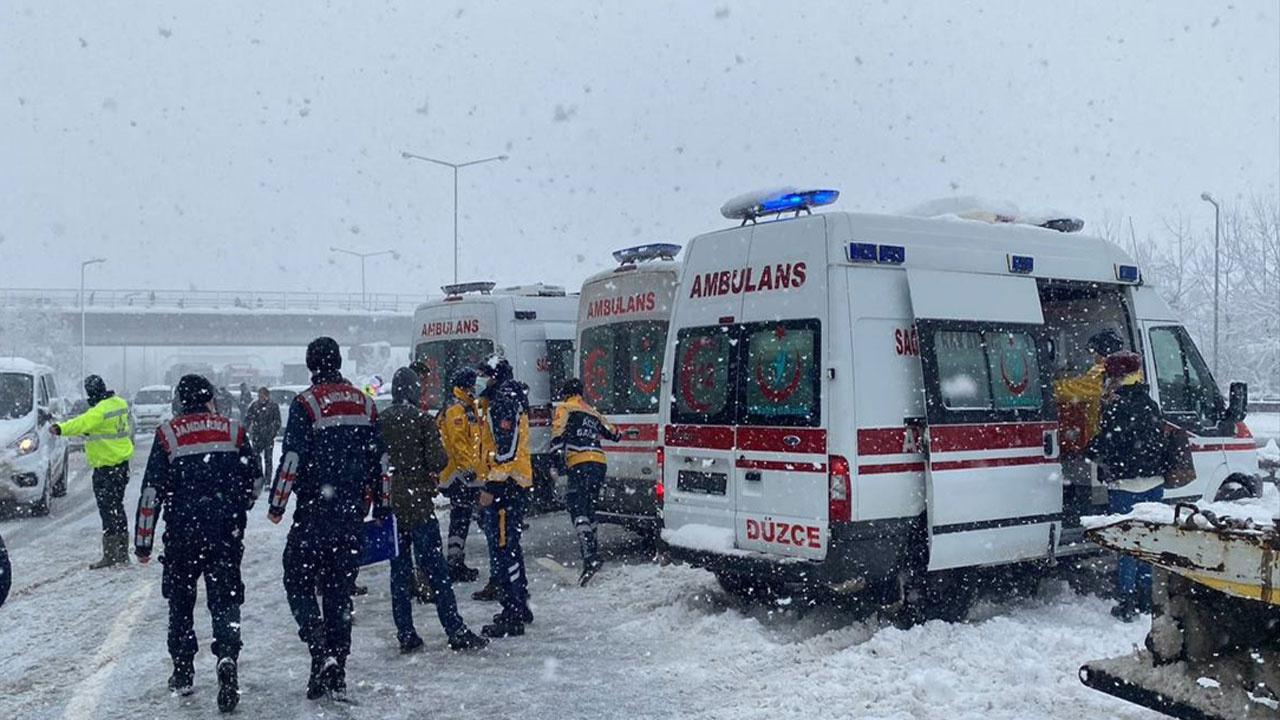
[781,385]
[987,370]
[703,379]
[622,366]
[443,358]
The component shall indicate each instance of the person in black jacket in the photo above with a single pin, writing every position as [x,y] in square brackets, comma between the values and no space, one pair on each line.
[202,475]
[6,572]
[334,459]
[262,419]
[1129,449]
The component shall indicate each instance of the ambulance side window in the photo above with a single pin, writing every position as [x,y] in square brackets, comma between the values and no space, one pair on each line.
[703,379]
[782,381]
[984,373]
[962,370]
[1182,378]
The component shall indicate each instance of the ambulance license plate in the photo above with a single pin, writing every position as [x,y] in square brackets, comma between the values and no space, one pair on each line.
[692,481]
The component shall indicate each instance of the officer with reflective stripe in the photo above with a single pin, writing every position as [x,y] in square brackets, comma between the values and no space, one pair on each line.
[108,446]
[576,434]
[204,477]
[334,462]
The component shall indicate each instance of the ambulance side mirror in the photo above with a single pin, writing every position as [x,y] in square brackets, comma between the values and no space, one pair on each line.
[1238,403]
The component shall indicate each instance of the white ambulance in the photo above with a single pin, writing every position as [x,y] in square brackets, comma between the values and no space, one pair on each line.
[622,335]
[532,326]
[865,402]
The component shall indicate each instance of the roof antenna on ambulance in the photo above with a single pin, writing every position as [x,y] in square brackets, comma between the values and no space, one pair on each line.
[753,205]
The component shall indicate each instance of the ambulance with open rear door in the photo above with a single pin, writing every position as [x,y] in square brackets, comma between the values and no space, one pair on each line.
[866,402]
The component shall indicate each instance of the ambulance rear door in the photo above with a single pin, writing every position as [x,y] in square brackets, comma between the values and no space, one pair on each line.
[780,463]
[990,433]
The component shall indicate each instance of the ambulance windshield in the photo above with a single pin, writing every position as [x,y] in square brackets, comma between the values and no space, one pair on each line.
[622,366]
[443,358]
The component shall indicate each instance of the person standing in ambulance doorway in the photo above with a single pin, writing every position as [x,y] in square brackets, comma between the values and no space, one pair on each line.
[459,427]
[1085,390]
[507,472]
[1130,448]
[334,461]
[576,433]
[416,457]
[108,447]
[202,477]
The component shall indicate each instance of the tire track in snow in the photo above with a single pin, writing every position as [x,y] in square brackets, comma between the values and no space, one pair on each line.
[89,692]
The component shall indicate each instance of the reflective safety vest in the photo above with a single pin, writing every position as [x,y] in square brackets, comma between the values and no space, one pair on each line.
[459,426]
[108,432]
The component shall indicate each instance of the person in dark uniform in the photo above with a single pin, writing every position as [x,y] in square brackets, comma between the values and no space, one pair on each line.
[262,419]
[576,432]
[6,572]
[334,460]
[203,477]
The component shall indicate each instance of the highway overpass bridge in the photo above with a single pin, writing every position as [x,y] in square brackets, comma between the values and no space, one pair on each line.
[154,318]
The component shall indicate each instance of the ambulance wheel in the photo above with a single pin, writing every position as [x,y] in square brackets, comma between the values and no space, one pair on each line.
[746,587]
[945,596]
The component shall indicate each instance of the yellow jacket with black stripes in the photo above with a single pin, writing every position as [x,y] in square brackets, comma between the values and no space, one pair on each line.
[107,429]
[504,435]
[459,424]
[577,429]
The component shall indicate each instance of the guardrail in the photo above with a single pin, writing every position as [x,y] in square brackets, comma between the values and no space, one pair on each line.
[210,300]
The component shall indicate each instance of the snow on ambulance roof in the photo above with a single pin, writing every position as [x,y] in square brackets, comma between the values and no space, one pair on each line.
[21,365]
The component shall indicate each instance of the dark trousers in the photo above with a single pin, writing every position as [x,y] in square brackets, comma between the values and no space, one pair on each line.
[422,543]
[582,487]
[268,468]
[503,519]
[108,489]
[462,504]
[1133,577]
[327,561]
[219,563]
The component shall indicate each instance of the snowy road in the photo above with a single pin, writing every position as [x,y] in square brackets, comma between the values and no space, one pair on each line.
[644,641]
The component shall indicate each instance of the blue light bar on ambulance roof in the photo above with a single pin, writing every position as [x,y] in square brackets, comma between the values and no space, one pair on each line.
[652,251]
[771,202]
[1021,264]
[860,252]
[893,254]
[1128,273]
[471,287]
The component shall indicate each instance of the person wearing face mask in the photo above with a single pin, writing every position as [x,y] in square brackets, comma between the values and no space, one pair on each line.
[507,474]
[459,427]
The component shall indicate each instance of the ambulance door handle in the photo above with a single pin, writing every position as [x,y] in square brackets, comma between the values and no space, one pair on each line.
[752,475]
[1050,443]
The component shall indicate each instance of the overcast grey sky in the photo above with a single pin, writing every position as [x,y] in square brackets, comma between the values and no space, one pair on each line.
[227,145]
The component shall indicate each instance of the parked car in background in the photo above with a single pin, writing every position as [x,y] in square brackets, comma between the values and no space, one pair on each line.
[151,406]
[33,461]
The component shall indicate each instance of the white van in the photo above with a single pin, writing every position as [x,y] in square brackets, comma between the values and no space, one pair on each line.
[151,406]
[33,461]
[858,400]
[622,336]
[532,326]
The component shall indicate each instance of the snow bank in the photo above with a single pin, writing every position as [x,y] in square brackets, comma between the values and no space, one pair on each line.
[1261,511]
[706,538]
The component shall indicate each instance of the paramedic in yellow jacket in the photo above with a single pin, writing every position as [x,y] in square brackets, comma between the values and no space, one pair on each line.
[459,426]
[576,433]
[1080,398]
[507,474]
[108,447]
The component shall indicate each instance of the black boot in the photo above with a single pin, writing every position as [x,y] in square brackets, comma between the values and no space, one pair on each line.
[467,640]
[1126,610]
[228,685]
[315,683]
[182,680]
[335,678]
[460,573]
[589,570]
[503,626]
[525,616]
[490,593]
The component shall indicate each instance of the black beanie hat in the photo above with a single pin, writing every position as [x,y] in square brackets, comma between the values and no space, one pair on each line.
[194,390]
[571,387]
[324,354]
[95,389]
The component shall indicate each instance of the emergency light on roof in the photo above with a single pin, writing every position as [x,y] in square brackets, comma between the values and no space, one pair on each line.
[652,251]
[471,287]
[535,290]
[775,202]
[1128,273]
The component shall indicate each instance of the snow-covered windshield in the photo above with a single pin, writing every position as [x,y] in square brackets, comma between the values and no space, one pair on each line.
[16,397]
[152,397]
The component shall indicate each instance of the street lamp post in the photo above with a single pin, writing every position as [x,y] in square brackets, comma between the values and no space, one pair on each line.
[455,166]
[363,256]
[1217,228]
[83,265]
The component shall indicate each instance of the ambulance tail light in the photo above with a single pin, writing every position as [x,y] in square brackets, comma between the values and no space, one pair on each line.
[839,490]
[659,488]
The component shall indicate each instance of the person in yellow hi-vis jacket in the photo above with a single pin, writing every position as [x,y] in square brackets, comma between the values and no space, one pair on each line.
[108,447]
[459,425]
[1080,397]
[507,474]
[576,433]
